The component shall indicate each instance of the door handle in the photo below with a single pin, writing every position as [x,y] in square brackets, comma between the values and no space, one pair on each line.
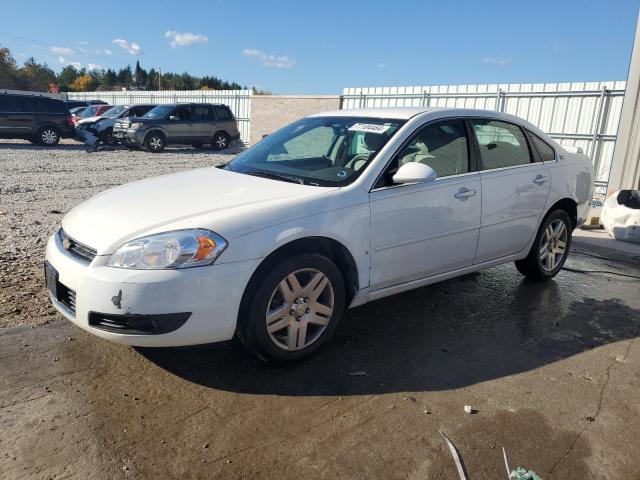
[465,193]
[540,179]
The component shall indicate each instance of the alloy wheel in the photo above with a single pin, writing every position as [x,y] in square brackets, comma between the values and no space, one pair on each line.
[221,141]
[300,309]
[155,143]
[49,136]
[553,245]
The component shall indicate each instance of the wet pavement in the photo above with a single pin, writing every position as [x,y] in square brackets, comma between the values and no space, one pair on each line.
[551,368]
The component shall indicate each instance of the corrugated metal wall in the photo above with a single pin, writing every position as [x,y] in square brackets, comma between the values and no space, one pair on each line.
[238,100]
[585,114]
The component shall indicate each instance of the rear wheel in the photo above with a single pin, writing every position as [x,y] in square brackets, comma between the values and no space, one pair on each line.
[550,248]
[155,142]
[220,141]
[48,136]
[294,308]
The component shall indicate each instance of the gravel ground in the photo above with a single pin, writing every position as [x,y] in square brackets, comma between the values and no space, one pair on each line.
[39,185]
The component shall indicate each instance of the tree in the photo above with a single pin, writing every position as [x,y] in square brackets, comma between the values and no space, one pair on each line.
[84,83]
[66,77]
[152,80]
[8,70]
[36,77]
[125,76]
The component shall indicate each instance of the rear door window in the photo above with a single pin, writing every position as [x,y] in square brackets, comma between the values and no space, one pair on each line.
[501,144]
[202,114]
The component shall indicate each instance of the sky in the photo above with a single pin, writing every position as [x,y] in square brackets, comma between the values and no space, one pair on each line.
[320,47]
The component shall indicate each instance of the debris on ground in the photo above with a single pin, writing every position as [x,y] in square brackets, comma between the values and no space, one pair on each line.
[470,410]
[456,457]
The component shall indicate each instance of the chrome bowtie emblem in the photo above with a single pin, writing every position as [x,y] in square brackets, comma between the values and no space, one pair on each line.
[66,244]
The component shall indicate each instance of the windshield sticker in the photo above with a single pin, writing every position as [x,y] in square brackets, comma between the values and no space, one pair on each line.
[369,127]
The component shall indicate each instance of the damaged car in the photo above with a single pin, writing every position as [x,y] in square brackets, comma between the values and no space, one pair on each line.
[331,212]
[100,127]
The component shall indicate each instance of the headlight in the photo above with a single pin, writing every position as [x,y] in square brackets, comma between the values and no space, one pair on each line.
[178,249]
[136,124]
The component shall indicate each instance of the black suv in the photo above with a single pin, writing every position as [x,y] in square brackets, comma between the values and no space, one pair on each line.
[194,124]
[40,120]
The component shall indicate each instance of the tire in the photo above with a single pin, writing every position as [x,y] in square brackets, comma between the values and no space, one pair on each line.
[298,324]
[106,137]
[220,141]
[155,142]
[550,248]
[48,136]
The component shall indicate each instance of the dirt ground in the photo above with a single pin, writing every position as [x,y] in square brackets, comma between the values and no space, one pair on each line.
[552,370]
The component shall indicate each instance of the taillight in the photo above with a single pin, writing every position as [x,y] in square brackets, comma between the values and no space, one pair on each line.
[70,121]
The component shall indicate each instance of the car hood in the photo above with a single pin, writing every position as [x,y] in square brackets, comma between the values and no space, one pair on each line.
[85,120]
[229,203]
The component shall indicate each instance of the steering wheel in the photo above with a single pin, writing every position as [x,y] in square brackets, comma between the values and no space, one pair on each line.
[357,162]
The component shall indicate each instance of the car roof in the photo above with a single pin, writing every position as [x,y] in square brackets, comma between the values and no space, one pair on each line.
[405,113]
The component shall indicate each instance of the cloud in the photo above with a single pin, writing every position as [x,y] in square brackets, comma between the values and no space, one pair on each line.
[83,50]
[381,65]
[63,61]
[497,61]
[83,42]
[184,39]
[133,48]
[269,60]
[106,51]
[93,66]
[62,50]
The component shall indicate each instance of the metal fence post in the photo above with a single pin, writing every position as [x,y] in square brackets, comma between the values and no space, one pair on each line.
[596,130]
[361,100]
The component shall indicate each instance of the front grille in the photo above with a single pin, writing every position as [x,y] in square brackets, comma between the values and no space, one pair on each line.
[77,249]
[67,297]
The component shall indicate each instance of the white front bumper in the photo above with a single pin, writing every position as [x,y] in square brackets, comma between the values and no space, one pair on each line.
[211,294]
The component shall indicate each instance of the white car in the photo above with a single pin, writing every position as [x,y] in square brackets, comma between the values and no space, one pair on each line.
[332,211]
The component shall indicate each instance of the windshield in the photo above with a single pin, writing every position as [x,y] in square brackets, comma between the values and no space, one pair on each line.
[89,112]
[325,151]
[114,112]
[159,111]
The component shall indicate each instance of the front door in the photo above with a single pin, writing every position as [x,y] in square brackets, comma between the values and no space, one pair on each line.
[514,189]
[420,230]
[180,125]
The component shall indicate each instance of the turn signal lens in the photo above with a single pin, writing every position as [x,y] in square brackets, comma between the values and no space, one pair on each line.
[206,245]
[177,249]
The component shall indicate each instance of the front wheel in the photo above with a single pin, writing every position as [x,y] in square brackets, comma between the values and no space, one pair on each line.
[220,141]
[294,308]
[550,248]
[155,142]
[48,136]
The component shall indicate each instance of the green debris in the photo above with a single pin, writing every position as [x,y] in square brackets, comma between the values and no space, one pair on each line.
[522,474]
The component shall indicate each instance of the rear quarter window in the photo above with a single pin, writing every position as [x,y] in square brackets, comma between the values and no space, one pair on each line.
[223,113]
[547,154]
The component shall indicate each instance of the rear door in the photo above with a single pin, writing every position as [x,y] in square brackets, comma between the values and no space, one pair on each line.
[515,188]
[205,123]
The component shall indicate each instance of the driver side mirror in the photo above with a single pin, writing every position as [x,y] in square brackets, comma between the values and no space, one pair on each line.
[415,172]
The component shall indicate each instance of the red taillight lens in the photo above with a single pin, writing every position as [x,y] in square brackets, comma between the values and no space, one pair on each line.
[70,121]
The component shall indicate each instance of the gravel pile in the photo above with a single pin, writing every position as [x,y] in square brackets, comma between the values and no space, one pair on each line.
[39,185]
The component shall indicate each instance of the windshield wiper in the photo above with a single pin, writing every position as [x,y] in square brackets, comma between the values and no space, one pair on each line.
[275,176]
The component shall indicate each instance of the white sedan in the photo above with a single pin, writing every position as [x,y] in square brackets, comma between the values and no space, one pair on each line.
[332,211]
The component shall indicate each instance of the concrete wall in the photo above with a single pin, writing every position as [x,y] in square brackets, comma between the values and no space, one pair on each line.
[271,112]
